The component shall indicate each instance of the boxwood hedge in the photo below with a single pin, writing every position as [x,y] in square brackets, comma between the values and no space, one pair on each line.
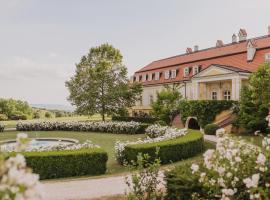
[170,150]
[60,164]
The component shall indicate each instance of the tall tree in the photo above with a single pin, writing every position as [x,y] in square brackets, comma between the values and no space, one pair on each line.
[167,102]
[100,84]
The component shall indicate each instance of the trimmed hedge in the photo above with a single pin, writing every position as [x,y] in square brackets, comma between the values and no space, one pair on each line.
[148,120]
[170,150]
[210,129]
[60,164]
[204,110]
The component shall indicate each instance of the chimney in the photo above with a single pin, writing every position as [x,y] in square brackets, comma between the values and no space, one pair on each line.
[234,38]
[189,50]
[242,35]
[268,30]
[219,43]
[196,48]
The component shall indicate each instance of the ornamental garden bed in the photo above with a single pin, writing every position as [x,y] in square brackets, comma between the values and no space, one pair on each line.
[61,164]
[172,144]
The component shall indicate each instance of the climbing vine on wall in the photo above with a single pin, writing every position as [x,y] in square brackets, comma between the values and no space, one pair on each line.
[204,110]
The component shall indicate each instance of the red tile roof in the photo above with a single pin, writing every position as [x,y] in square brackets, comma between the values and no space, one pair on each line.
[232,51]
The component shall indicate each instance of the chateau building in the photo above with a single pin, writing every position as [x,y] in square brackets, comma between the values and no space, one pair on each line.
[215,73]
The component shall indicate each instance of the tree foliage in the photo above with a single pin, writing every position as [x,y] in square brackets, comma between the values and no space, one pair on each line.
[15,109]
[100,83]
[255,99]
[167,102]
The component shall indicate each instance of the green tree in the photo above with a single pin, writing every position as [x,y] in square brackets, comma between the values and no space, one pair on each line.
[100,84]
[167,102]
[254,102]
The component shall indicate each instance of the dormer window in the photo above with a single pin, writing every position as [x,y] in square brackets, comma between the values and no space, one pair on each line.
[174,73]
[167,74]
[157,76]
[195,69]
[186,71]
[267,57]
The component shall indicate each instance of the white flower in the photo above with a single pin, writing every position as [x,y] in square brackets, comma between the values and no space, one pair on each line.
[194,168]
[261,159]
[220,132]
[253,181]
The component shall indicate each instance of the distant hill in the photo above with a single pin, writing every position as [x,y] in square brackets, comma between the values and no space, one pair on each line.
[54,107]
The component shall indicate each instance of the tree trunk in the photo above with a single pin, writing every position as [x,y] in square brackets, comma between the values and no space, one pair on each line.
[103,116]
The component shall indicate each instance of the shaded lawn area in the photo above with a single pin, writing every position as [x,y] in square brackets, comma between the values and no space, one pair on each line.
[257,140]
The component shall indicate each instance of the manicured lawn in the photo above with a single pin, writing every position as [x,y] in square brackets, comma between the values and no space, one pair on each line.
[105,140]
[257,140]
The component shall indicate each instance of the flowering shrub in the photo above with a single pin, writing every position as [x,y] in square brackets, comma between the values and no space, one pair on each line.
[169,134]
[2,127]
[234,170]
[16,180]
[108,127]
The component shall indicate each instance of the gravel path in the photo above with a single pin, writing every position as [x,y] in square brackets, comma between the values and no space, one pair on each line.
[84,189]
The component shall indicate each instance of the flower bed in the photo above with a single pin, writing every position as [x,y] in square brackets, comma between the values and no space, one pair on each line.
[107,127]
[234,170]
[174,144]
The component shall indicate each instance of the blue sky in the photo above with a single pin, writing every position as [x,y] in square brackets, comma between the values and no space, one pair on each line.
[41,40]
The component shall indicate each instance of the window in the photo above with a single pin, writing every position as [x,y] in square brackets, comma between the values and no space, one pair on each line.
[150,77]
[141,101]
[156,76]
[214,95]
[151,99]
[195,70]
[227,95]
[267,57]
[143,77]
[137,78]
[174,73]
[186,71]
[167,74]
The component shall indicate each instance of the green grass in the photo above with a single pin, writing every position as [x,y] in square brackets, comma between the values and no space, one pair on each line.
[105,140]
[257,140]
[12,123]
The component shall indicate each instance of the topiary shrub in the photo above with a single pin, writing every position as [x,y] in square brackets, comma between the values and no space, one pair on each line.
[169,150]
[210,129]
[60,164]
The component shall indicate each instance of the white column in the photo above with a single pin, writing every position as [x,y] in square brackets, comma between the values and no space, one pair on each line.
[233,89]
[196,91]
[237,88]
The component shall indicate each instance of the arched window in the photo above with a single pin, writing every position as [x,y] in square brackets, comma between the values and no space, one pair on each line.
[227,95]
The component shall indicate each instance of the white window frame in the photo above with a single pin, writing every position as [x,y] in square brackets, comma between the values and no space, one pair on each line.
[195,69]
[167,74]
[157,74]
[173,75]
[227,95]
[150,77]
[143,77]
[267,57]
[214,95]
[137,78]
[186,71]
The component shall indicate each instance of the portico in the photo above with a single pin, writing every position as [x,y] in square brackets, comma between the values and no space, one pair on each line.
[219,83]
